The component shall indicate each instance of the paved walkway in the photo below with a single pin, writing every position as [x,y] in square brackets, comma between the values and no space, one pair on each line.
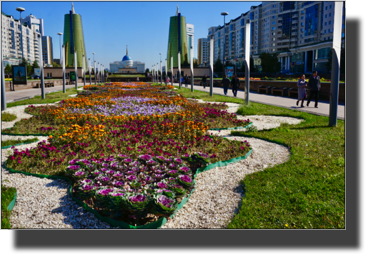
[285,102]
[11,96]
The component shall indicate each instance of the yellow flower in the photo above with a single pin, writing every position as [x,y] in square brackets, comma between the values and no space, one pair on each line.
[286,225]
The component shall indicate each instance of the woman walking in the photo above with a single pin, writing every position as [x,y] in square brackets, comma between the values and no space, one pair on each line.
[301,90]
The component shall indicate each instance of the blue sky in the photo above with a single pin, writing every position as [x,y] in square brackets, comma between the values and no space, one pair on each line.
[143,26]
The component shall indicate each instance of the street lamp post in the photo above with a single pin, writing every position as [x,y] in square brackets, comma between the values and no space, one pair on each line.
[41,69]
[84,71]
[93,59]
[211,65]
[166,71]
[63,69]
[60,54]
[89,69]
[76,72]
[161,69]
[224,13]
[171,62]
[158,77]
[3,100]
[21,45]
[191,68]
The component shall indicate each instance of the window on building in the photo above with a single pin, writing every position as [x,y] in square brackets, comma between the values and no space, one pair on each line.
[330,14]
[329,22]
[325,15]
[273,23]
[330,6]
[273,28]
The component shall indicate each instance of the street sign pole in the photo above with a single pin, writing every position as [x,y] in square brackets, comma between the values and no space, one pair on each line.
[211,64]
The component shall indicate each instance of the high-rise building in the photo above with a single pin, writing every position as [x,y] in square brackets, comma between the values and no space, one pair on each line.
[31,20]
[300,32]
[73,39]
[13,42]
[190,40]
[47,50]
[203,51]
[177,39]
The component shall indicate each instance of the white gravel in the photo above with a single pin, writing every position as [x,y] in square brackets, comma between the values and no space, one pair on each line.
[44,203]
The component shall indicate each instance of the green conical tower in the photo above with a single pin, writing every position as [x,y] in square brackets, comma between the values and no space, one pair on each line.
[73,39]
[177,33]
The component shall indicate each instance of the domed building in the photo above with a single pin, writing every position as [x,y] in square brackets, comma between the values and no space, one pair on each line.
[127,65]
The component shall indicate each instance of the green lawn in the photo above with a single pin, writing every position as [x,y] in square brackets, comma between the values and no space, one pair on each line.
[49,98]
[7,117]
[19,141]
[7,195]
[126,75]
[308,191]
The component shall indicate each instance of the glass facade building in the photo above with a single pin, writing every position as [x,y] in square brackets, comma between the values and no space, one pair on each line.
[311,22]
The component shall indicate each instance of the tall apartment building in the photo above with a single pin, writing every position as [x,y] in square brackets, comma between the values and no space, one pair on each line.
[12,43]
[190,40]
[47,50]
[300,32]
[203,51]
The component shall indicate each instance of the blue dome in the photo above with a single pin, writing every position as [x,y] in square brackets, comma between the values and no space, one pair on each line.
[126,58]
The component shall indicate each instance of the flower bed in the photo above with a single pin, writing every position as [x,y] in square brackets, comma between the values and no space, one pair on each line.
[130,150]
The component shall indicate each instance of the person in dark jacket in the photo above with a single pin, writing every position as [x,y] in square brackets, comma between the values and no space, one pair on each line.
[186,80]
[235,84]
[226,83]
[204,79]
[314,86]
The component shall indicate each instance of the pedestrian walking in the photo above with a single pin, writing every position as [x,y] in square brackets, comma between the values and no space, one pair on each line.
[168,80]
[181,80]
[301,84]
[186,80]
[235,84]
[314,86]
[204,79]
[226,83]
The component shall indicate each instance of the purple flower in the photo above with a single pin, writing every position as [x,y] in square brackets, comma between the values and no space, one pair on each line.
[185,178]
[97,172]
[87,187]
[74,167]
[145,157]
[165,201]
[178,161]
[138,198]
[104,165]
[72,162]
[131,177]
[184,169]
[104,192]
[117,194]
[161,185]
[128,160]
[110,172]
[118,183]
[118,174]
[105,179]
[103,169]
[79,173]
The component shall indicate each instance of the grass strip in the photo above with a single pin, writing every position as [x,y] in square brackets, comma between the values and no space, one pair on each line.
[7,196]
[19,142]
[308,191]
[49,98]
[8,117]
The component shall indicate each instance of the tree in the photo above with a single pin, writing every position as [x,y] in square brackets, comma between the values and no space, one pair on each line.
[29,69]
[185,64]
[55,65]
[218,66]
[195,63]
[147,70]
[269,62]
[24,62]
[35,64]
[8,69]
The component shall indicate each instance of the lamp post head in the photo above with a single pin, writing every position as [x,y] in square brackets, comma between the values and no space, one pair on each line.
[20,9]
[224,13]
[59,33]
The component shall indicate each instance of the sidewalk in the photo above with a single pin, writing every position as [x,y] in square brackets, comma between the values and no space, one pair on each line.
[11,96]
[279,101]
